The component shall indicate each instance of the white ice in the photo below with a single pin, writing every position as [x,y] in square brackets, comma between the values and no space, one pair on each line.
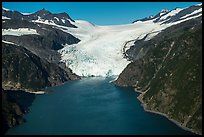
[19,31]
[26,13]
[3,17]
[194,12]
[8,42]
[171,13]
[100,51]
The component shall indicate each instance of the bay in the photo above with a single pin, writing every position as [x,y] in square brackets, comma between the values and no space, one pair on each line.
[92,106]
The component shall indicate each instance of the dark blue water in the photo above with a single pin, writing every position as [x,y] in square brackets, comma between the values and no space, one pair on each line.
[92,106]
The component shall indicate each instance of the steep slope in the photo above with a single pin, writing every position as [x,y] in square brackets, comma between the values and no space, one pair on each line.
[21,69]
[102,49]
[169,74]
[30,60]
[23,73]
[41,16]
[14,106]
[86,56]
[41,39]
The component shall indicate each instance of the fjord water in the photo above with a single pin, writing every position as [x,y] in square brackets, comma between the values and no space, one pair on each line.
[92,106]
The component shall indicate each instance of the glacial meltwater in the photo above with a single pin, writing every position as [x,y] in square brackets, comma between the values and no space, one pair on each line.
[92,106]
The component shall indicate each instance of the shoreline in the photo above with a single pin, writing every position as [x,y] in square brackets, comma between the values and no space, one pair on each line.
[140,98]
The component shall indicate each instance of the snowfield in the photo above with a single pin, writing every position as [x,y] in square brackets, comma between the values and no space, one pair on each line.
[101,49]
[8,42]
[19,31]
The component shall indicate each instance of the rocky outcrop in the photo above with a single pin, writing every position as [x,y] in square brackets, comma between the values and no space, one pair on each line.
[14,105]
[169,74]
[41,15]
[169,16]
[44,45]
[23,69]
[31,62]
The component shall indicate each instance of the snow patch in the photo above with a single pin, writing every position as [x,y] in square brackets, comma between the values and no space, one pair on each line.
[199,4]
[26,13]
[6,9]
[174,23]
[48,22]
[151,35]
[129,44]
[63,20]
[26,54]
[194,12]
[171,13]
[8,42]
[3,17]
[19,31]
[56,18]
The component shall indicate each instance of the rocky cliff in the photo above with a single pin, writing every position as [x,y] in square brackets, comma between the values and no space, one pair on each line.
[24,71]
[21,69]
[30,59]
[14,105]
[169,73]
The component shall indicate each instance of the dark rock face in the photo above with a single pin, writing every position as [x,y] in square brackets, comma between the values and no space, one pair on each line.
[158,17]
[50,38]
[140,47]
[33,62]
[183,13]
[23,69]
[169,74]
[14,105]
[42,15]
[43,45]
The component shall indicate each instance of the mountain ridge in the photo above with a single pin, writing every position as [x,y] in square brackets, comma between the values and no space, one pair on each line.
[168,75]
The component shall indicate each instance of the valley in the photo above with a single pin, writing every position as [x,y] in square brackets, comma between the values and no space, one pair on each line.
[158,56]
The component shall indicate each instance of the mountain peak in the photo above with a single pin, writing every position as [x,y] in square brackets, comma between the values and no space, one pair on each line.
[43,12]
[5,9]
[164,11]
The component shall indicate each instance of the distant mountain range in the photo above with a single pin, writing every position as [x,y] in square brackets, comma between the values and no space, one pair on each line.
[178,14]
[40,16]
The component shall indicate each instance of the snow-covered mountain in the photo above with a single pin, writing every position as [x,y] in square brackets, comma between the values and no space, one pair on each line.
[166,16]
[101,50]
[36,32]
[41,16]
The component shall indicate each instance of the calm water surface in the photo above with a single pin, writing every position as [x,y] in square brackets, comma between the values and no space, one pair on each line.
[92,106]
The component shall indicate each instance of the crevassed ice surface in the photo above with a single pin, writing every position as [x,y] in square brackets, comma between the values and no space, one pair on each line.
[100,51]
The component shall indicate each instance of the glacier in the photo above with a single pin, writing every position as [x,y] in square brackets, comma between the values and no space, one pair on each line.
[101,49]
